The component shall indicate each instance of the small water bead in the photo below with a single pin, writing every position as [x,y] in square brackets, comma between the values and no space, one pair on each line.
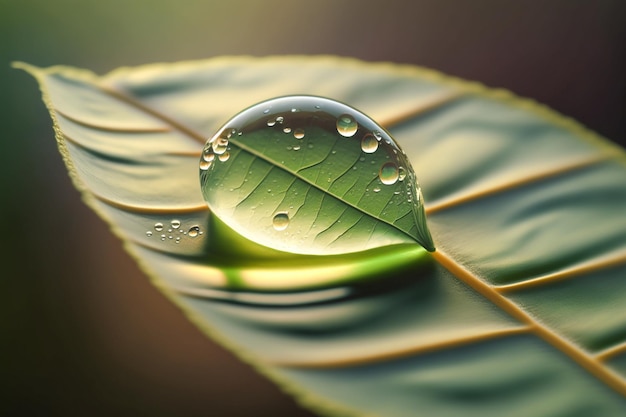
[271,122]
[280,119]
[169,230]
[293,110]
[376,190]
[205,165]
[287,130]
[389,173]
[377,135]
[280,221]
[175,224]
[298,133]
[148,233]
[224,157]
[158,227]
[401,173]
[346,125]
[369,144]
[207,154]
[296,148]
[194,231]
[266,111]
[220,146]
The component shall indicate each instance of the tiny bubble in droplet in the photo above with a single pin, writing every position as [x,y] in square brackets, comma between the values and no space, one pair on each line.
[280,221]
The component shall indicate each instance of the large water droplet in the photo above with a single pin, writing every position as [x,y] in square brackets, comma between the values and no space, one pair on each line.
[369,144]
[175,224]
[158,227]
[388,173]
[369,159]
[298,133]
[346,125]
[280,221]
[193,231]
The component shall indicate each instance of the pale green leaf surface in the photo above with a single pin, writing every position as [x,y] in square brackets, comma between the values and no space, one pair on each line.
[521,311]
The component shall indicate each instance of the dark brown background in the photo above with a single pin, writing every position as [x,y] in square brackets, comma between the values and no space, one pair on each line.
[82,333]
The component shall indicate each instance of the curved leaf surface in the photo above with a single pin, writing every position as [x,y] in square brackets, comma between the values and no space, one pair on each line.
[520,312]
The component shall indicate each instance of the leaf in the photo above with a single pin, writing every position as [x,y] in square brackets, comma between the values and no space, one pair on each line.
[306,174]
[520,312]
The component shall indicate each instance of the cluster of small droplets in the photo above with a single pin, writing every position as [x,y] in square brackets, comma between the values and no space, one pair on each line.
[174,229]
[298,133]
[219,147]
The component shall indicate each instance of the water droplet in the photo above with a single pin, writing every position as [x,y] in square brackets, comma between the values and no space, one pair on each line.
[207,154]
[148,233]
[369,144]
[346,125]
[175,224]
[377,135]
[388,173]
[224,157]
[287,130]
[293,110]
[296,148]
[401,173]
[220,146]
[280,119]
[266,111]
[169,230]
[280,221]
[162,237]
[298,133]
[271,122]
[376,190]
[158,227]
[170,237]
[205,165]
[193,231]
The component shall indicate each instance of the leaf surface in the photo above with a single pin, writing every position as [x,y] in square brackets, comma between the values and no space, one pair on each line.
[519,312]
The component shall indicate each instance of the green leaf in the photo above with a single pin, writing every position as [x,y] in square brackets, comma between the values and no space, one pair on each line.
[310,175]
[520,310]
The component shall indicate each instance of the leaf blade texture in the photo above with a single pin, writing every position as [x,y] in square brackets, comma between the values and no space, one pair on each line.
[518,314]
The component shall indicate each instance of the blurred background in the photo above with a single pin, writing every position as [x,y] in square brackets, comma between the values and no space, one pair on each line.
[82,332]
